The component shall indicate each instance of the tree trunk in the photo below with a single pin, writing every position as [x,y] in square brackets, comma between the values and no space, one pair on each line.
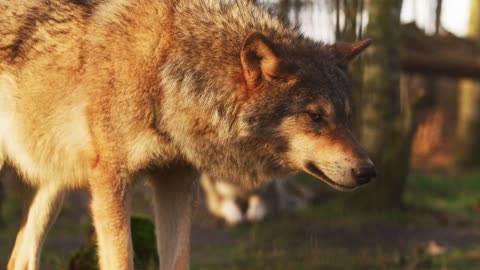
[468,128]
[438,16]
[350,9]
[384,128]
[337,20]
[284,8]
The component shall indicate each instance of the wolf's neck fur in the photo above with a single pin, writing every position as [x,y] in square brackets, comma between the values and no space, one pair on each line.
[202,80]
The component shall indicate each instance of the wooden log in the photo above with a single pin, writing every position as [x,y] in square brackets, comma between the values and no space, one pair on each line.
[444,54]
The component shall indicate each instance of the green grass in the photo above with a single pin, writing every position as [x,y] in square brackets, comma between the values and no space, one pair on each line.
[449,194]
[275,246]
[295,241]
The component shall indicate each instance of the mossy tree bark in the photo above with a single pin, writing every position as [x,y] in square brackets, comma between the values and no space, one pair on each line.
[468,128]
[384,126]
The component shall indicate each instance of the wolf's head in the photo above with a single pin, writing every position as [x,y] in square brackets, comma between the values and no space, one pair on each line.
[298,103]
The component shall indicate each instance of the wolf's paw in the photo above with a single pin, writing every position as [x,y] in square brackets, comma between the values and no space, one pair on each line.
[231,212]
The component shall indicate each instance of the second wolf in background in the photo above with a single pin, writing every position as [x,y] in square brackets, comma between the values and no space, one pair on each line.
[235,204]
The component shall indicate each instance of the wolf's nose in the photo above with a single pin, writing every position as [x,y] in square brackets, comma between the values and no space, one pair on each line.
[364,173]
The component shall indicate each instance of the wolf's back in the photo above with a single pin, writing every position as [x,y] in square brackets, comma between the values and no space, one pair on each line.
[29,29]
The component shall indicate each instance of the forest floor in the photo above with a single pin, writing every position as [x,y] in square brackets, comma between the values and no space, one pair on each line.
[439,228]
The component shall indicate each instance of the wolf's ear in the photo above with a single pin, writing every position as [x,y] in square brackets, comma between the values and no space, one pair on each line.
[259,60]
[348,51]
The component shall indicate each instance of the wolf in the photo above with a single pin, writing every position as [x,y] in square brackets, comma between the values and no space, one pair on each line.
[103,93]
[234,203]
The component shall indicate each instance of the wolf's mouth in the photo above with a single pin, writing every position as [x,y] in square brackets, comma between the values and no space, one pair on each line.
[315,171]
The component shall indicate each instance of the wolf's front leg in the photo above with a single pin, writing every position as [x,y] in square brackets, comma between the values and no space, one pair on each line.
[174,194]
[111,215]
[40,209]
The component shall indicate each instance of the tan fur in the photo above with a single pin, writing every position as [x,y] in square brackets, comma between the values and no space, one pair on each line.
[99,93]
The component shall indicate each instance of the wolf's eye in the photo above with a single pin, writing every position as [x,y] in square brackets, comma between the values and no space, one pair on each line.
[316,117]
